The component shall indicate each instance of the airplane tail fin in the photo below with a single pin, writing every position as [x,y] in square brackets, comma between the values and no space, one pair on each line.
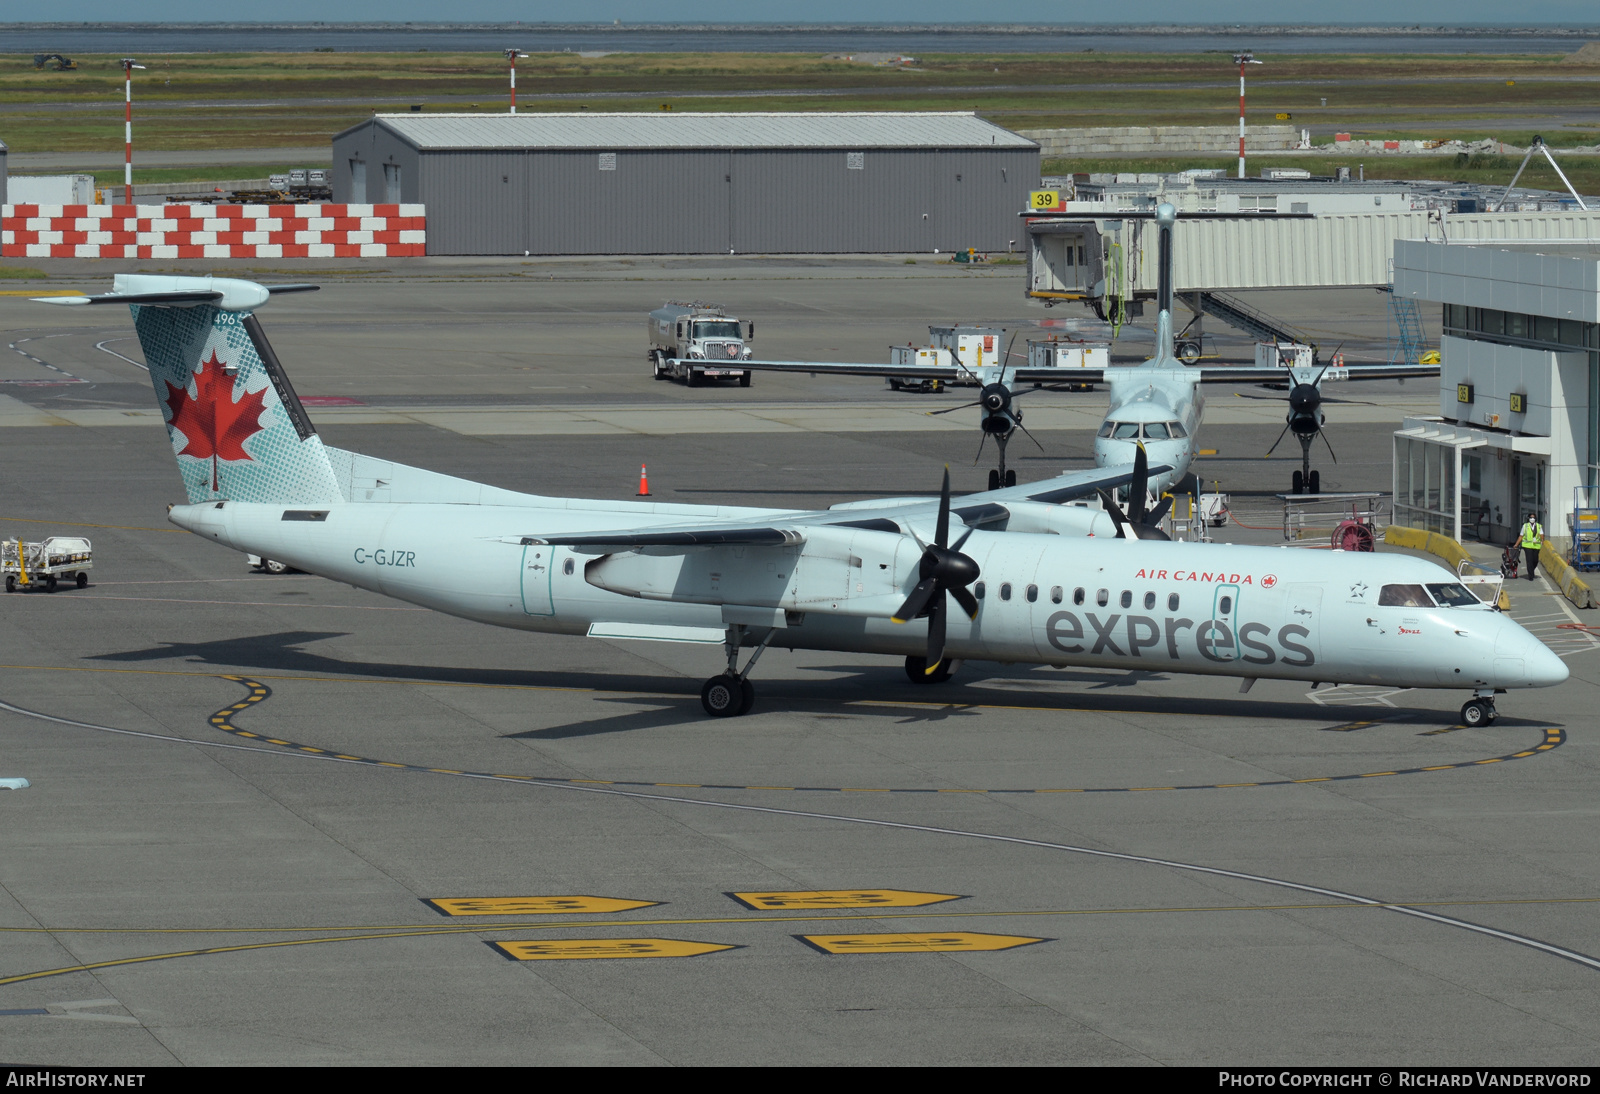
[237,427]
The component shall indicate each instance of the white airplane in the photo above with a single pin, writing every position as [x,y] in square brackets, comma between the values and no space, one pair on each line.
[1035,581]
[1156,404]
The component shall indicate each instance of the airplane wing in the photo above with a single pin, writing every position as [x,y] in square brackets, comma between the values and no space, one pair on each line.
[1252,374]
[890,515]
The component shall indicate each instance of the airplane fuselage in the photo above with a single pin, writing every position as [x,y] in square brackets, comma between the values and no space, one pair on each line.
[1161,408]
[1052,599]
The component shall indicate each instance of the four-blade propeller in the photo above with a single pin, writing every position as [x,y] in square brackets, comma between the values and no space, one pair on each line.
[943,569]
[1137,523]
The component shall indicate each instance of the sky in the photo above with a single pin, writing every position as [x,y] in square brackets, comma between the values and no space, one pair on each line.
[1426,12]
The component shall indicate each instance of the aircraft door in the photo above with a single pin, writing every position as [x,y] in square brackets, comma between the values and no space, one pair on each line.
[1222,636]
[538,561]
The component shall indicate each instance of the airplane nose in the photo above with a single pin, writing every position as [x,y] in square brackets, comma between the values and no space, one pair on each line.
[1544,668]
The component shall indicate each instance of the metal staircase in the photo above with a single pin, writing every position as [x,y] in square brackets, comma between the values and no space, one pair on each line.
[1253,321]
[1407,343]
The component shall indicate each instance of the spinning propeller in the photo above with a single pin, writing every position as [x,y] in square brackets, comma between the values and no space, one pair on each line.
[1137,523]
[943,569]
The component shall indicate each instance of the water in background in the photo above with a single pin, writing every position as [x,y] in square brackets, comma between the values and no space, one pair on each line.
[145,40]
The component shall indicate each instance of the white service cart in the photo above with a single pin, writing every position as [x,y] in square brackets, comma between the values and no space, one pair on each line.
[29,565]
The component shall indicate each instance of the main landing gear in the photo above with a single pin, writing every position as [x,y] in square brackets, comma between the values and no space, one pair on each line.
[731,694]
[1479,710]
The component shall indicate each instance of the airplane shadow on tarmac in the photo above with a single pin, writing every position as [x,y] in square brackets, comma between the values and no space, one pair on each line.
[677,698]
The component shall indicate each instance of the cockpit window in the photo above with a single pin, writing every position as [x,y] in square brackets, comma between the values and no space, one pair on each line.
[1453,596]
[1156,431]
[1177,429]
[1105,430]
[1404,596]
[1125,431]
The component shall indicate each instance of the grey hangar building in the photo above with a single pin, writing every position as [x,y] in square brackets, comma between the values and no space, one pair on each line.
[694,183]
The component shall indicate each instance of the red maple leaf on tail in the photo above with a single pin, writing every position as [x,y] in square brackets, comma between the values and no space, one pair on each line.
[215,426]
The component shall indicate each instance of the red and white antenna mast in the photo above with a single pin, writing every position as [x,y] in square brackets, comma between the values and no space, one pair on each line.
[511,58]
[1242,59]
[127,132]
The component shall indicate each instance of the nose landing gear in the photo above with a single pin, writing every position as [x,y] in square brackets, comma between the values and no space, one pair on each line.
[1479,711]
[731,694]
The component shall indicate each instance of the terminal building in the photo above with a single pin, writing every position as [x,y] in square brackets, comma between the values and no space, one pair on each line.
[1519,389]
[684,183]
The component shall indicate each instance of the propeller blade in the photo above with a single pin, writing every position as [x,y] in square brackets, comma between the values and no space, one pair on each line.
[1323,433]
[1326,367]
[1115,511]
[941,532]
[950,409]
[935,635]
[1271,450]
[981,438]
[917,601]
[1155,516]
[1025,433]
[1139,486]
[964,597]
[956,546]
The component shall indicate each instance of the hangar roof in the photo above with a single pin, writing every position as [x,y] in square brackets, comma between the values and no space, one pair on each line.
[675,130]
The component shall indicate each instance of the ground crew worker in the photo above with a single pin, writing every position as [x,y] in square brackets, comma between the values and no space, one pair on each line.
[1532,538]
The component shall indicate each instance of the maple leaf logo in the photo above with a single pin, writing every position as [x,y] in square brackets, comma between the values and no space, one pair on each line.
[213,425]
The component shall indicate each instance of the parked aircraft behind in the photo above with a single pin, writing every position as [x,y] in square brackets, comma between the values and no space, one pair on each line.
[1032,580]
[1156,403]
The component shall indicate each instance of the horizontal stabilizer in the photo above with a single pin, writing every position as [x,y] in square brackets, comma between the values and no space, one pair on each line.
[605,542]
[188,299]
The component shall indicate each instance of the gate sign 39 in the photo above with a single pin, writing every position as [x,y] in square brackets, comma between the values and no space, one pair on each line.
[1045,199]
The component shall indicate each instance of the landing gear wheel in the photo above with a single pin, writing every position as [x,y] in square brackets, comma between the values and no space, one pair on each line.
[1188,352]
[915,673]
[50,583]
[994,480]
[83,580]
[724,696]
[744,381]
[1314,486]
[747,696]
[1477,712]
[273,566]
[1011,477]
[1299,484]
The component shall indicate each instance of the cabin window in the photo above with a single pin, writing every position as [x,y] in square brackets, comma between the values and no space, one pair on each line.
[1127,599]
[1149,601]
[1105,430]
[1005,590]
[1102,598]
[1125,431]
[1077,596]
[1172,602]
[1033,593]
[1055,594]
[1156,431]
[1453,596]
[978,590]
[1177,430]
[567,567]
[1404,596]
[1225,606]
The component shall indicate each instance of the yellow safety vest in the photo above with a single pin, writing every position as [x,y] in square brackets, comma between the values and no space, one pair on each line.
[1532,535]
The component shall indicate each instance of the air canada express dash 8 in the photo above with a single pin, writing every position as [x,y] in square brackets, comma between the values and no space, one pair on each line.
[1007,575]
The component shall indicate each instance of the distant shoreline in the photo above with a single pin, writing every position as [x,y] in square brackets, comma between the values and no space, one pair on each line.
[1326,30]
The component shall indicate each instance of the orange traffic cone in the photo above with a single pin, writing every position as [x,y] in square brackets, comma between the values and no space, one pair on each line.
[644,482]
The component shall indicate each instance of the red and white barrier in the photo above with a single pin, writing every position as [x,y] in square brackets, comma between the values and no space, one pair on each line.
[212,231]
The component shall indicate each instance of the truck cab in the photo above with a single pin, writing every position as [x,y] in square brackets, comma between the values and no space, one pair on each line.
[697,343]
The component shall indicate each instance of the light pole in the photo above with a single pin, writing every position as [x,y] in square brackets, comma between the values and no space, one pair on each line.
[1242,59]
[511,58]
[127,129]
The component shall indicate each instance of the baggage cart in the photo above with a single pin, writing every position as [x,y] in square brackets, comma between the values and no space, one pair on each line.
[46,563]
